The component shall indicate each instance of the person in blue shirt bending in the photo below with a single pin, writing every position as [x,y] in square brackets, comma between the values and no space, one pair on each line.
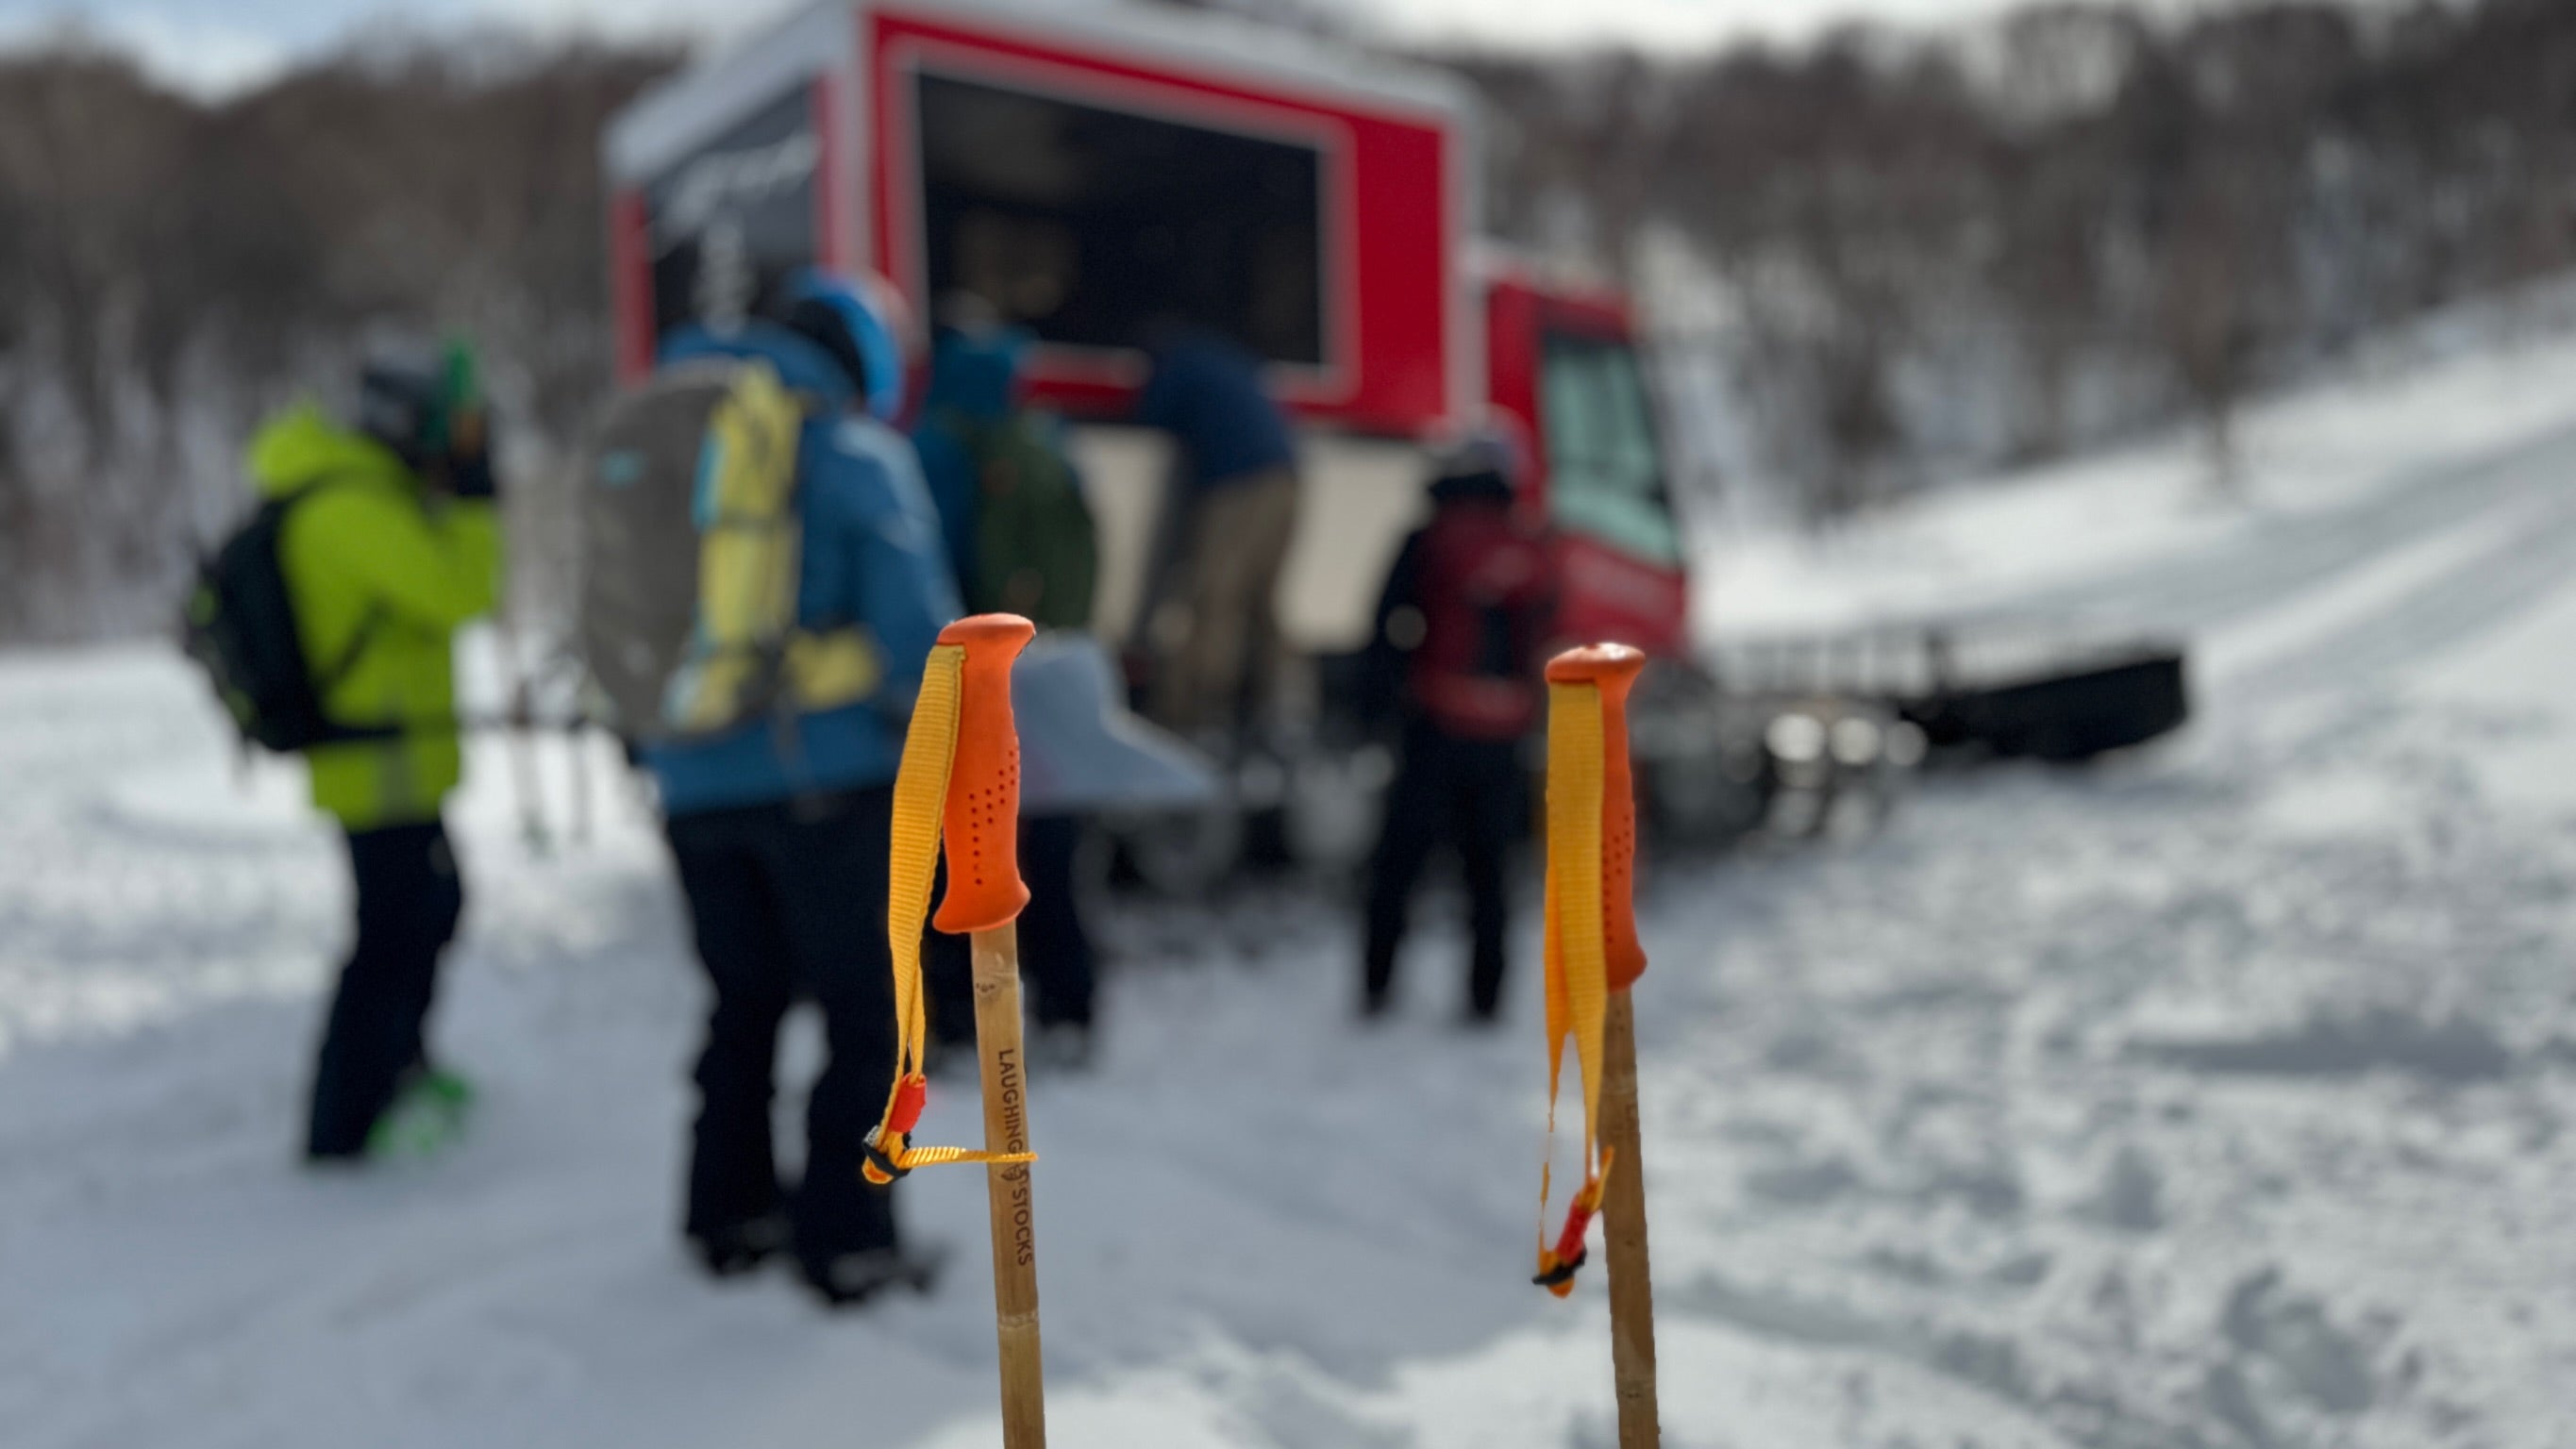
[1238,476]
[780,828]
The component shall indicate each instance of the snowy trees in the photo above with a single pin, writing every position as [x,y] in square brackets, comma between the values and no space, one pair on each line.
[1938,254]
[169,269]
[1949,253]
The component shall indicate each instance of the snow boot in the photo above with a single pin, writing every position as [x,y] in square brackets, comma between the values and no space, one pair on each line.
[737,1249]
[853,1278]
[427,1116]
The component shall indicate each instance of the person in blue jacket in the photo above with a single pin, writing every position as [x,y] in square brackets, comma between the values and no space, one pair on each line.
[1238,492]
[973,383]
[780,829]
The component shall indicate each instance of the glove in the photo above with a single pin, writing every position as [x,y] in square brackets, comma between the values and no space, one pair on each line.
[471,476]
[469,456]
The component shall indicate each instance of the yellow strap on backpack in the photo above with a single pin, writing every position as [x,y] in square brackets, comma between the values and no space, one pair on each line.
[920,799]
[750,543]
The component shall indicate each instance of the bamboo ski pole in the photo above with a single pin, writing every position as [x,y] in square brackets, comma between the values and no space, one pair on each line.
[958,789]
[1623,1230]
[1594,958]
[985,895]
[1006,1130]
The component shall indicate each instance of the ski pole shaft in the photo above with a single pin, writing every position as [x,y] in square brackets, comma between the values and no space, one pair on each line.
[1613,671]
[1623,1225]
[1007,1186]
[984,898]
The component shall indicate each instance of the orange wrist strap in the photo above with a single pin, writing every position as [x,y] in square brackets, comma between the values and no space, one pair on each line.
[1591,944]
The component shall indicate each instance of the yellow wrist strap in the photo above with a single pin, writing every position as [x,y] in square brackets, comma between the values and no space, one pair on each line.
[920,798]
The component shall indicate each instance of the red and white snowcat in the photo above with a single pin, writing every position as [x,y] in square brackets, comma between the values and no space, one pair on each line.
[1084,166]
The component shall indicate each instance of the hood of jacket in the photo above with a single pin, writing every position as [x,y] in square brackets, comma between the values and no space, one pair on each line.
[303,446]
[975,377]
[801,363]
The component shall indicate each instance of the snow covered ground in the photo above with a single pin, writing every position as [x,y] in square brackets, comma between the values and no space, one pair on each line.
[2369,454]
[2217,1096]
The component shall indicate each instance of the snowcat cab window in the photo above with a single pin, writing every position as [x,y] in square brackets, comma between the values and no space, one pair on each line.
[1605,469]
[1086,224]
[734,217]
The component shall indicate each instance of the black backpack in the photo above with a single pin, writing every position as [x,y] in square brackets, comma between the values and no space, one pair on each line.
[239,625]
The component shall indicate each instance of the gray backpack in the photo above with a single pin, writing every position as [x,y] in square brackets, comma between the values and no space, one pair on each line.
[691,556]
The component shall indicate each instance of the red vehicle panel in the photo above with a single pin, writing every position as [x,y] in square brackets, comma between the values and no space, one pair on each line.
[1089,169]
[1385,223]
[1611,584]
[1605,594]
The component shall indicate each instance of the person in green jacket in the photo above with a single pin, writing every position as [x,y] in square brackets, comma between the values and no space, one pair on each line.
[392,543]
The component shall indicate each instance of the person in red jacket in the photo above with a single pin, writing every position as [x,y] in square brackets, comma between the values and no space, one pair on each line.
[1461,627]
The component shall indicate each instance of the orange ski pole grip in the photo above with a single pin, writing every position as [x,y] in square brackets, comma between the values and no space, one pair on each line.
[982,818]
[1613,669]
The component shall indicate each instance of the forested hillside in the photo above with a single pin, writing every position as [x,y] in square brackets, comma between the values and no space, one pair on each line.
[170,269]
[1917,258]
[1889,259]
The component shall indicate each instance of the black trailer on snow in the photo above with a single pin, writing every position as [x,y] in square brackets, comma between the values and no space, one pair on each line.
[1984,690]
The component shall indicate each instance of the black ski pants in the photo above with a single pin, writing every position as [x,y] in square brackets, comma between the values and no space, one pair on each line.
[788,903]
[408,900]
[1465,793]
[1053,943]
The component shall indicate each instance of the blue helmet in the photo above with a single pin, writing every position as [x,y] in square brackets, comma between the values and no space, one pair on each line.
[862,322]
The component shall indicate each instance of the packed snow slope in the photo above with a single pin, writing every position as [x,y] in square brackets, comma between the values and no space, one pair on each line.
[2419,429]
[2218,1097]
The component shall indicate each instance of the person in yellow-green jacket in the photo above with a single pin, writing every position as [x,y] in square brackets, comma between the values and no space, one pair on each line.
[391,543]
